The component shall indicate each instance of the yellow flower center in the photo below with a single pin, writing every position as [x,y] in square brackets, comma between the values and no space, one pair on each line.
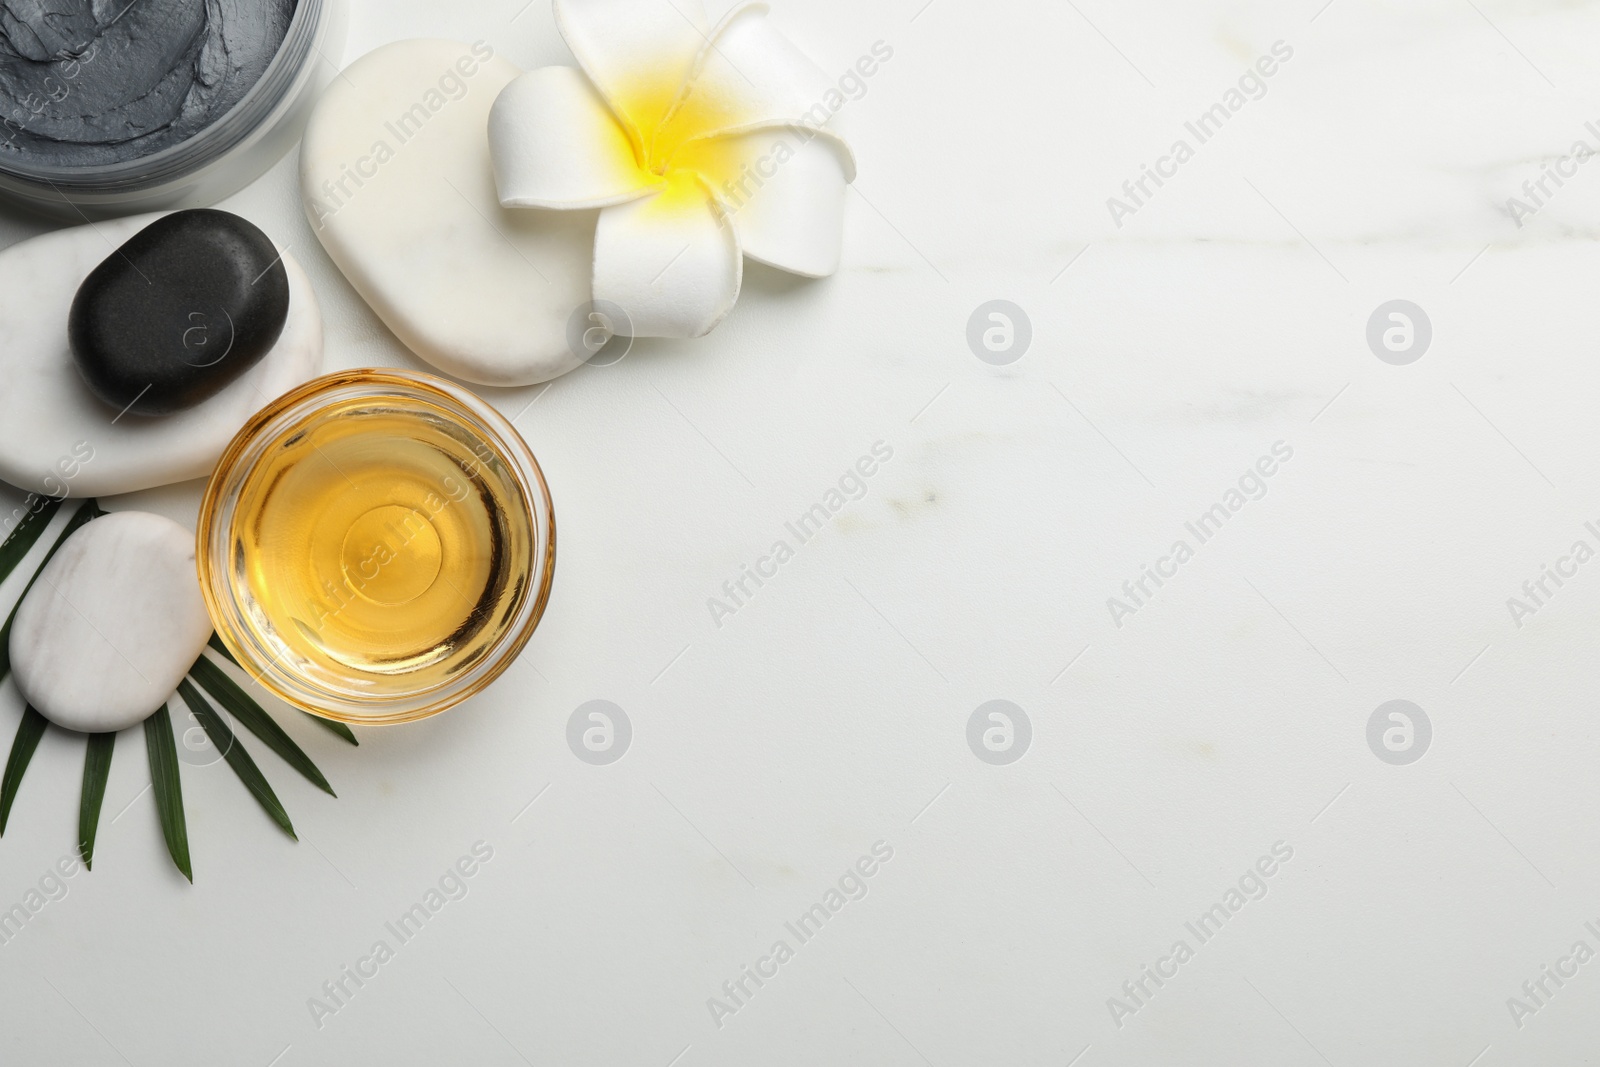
[667,129]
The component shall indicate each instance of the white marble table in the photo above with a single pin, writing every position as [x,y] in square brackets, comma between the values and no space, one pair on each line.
[1171,744]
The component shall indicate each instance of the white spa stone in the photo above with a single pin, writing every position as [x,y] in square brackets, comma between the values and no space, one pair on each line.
[56,437]
[112,625]
[397,182]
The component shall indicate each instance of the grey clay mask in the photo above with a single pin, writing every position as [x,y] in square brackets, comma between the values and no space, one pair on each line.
[97,82]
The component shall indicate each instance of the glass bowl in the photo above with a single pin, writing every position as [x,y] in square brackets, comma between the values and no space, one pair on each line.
[376,546]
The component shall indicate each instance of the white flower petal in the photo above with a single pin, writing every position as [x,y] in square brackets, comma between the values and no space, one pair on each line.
[841,147]
[555,144]
[784,188]
[638,52]
[748,74]
[671,263]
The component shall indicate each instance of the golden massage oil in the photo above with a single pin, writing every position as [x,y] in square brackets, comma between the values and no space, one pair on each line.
[379,538]
[377,547]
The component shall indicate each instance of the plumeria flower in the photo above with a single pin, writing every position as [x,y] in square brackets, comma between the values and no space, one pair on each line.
[700,144]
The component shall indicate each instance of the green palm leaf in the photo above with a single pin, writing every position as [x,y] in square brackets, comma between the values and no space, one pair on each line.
[89,510]
[96,769]
[163,753]
[251,716]
[24,534]
[217,729]
[29,731]
[332,725]
[216,643]
[159,743]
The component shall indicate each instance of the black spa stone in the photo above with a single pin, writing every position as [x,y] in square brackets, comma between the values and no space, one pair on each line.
[182,309]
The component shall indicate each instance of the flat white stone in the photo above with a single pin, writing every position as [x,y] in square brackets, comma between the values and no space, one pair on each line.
[114,622]
[58,438]
[397,182]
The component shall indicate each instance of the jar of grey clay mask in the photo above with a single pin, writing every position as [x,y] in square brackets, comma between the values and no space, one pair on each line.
[110,107]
